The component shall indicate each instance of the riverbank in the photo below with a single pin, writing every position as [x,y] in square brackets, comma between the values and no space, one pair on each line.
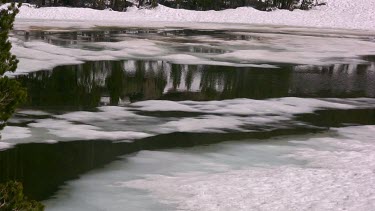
[337,14]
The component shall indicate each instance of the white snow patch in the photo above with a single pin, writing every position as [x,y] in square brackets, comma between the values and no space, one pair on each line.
[203,124]
[66,129]
[339,175]
[105,113]
[283,188]
[5,145]
[50,141]
[279,106]
[13,132]
[133,120]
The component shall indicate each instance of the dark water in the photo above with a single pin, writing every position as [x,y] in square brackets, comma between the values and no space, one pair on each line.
[43,168]
[110,82]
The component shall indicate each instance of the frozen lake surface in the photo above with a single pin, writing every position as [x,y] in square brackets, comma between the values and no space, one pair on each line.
[194,119]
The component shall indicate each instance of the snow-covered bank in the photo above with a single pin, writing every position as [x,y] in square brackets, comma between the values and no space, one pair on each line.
[345,14]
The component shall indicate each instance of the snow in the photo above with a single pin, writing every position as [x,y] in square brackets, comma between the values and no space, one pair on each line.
[51,141]
[203,124]
[136,120]
[5,145]
[66,129]
[13,132]
[105,113]
[327,171]
[278,106]
[345,14]
[266,189]
[339,179]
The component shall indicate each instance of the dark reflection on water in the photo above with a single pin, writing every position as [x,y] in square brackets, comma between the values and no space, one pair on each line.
[95,83]
[114,82]
[339,118]
[342,80]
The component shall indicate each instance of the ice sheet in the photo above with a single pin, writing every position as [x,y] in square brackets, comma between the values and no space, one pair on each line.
[339,178]
[279,106]
[328,171]
[137,120]
[13,132]
[5,145]
[66,129]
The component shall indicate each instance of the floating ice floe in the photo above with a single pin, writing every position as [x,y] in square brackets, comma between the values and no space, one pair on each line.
[12,132]
[5,145]
[137,120]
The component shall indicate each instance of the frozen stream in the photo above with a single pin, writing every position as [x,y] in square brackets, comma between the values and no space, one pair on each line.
[254,118]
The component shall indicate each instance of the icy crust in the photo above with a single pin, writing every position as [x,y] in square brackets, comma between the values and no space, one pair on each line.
[135,121]
[348,14]
[338,175]
[262,50]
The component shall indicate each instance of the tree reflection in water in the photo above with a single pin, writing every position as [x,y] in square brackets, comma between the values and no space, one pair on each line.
[98,83]
[113,82]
